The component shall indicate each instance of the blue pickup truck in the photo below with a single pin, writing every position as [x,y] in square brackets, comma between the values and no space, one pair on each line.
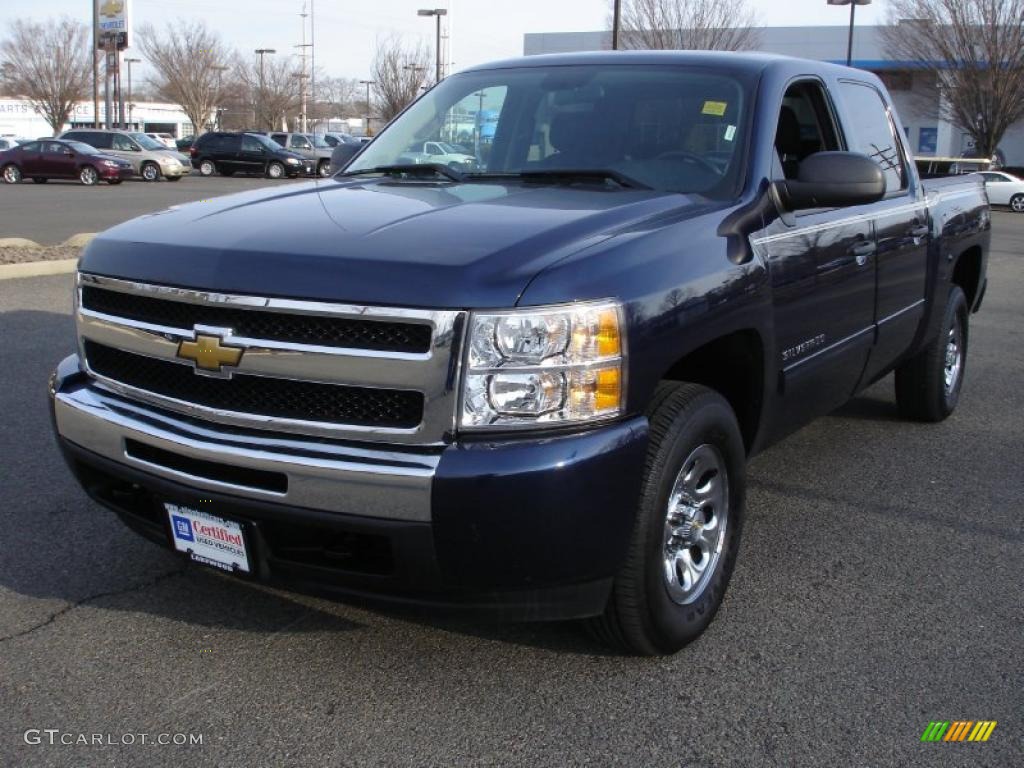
[527,387]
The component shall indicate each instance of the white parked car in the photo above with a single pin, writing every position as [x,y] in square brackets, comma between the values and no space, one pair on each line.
[164,138]
[1005,189]
[441,153]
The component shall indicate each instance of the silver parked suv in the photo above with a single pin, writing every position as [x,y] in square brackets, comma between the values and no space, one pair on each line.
[149,158]
[309,146]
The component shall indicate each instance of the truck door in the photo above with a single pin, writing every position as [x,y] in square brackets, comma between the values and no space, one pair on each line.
[901,225]
[821,265]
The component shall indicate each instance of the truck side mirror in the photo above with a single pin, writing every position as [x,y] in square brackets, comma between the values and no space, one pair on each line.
[833,179]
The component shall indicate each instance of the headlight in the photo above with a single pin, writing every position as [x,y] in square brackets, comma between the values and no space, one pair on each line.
[544,366]
[292,161]
[111,163]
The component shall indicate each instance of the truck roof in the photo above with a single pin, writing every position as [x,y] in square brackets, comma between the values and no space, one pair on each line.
[749,61]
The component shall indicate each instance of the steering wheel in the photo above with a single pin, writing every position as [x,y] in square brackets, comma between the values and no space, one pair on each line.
[691,159]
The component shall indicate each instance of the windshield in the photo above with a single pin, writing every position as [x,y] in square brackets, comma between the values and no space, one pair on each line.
[82,148]
[671,128]
[266,142]
[146,142]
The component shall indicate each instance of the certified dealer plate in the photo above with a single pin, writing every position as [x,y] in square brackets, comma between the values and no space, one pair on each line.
[208,539]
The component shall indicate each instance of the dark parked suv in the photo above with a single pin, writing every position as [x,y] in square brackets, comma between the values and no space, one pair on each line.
[229,153]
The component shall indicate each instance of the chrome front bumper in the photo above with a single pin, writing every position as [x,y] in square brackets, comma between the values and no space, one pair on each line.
[388,483]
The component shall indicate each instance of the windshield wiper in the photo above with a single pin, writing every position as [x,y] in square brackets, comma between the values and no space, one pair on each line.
[566,174]
[409,168]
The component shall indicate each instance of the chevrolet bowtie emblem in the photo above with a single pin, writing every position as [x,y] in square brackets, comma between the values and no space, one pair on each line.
[208,353]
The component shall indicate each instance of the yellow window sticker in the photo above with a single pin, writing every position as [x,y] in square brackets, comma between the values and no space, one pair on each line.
[716,108]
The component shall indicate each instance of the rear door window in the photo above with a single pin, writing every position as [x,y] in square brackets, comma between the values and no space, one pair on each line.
[871,132]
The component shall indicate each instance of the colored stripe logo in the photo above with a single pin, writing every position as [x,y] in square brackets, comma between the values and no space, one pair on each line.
[958,730]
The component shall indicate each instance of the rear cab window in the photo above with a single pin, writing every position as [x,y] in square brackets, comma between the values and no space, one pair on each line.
[870,131]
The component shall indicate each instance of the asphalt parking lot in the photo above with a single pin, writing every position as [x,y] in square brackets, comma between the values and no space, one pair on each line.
[50,213]
[879,587]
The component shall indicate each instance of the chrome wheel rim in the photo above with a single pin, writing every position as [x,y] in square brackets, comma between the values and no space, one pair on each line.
[325,169]
[695,524]
[88,176]
[11,175]
[206,168]
[276,171]
[954,361]
[1018,204]
[149,173]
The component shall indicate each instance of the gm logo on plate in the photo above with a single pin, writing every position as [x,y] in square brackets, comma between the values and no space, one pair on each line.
[182,528]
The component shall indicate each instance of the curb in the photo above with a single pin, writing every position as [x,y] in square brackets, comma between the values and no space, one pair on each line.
[37,268]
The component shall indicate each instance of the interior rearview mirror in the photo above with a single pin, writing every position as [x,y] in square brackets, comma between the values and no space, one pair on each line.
[833,179]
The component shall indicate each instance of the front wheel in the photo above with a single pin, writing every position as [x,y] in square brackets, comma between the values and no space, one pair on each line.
[324,169]
[207,168]
[275,170]
[150,172]
[88,176]
[12,174]
[1017,203]
[928,384]
[687,530]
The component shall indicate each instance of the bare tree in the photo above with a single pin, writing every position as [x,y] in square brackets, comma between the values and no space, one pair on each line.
[399,72]
[338,97]
[48,64]
[974,50]
[187,59]
[688,25]
[722,25]
[273,89]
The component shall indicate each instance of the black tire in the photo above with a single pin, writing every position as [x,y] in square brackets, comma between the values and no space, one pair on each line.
[922,390]
[40,179]
[324,169]
[275,170]
[150,172]
[207,167]
[641,616]
[89,176]
[1017,203]
[11,174]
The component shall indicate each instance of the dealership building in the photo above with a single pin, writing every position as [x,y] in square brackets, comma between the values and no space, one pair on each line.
[915,93]
[18,118]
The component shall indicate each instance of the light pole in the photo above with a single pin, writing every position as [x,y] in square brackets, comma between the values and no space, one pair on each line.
[853,7]
[261,52]
[438,12]
[131,106]
[367,83]
[220,70]
[616,23]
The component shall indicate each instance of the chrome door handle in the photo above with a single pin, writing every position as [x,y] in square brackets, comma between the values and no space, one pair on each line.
[918,231]
[862,251]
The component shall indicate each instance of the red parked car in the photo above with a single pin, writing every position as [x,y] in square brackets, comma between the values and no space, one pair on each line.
[47,159]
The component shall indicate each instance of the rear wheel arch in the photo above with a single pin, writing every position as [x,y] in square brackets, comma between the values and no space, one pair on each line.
[732,365]
[967,274]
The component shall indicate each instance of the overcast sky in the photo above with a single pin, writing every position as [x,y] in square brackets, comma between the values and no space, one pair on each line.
[481,30]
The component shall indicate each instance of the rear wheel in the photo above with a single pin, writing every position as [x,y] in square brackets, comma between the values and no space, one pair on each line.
[88,175]
[687,530]
[1017,203]
[275,170]
[150,172]
[928,384]
[12,174]
[207,168]
[40,179]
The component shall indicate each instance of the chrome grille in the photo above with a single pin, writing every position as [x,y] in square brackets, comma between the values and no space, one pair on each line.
[369,373]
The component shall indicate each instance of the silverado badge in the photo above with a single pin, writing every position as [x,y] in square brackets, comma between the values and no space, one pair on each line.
[208,353]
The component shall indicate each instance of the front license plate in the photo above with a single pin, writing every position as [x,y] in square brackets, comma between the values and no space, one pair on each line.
[208,539]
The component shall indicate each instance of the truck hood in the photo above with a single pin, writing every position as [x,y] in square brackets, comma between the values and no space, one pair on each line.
[374,241]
